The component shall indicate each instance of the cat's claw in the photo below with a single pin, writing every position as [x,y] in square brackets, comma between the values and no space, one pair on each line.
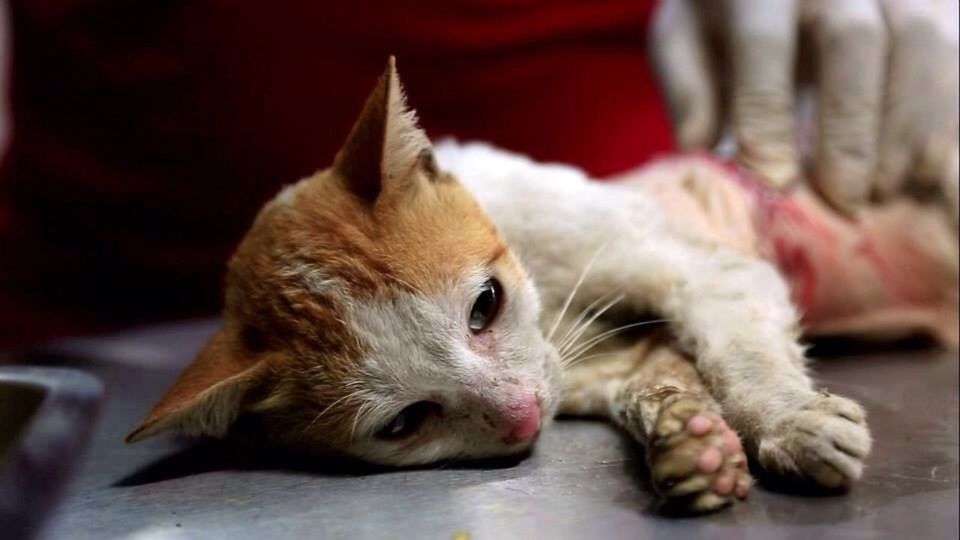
[697,462]
[825,442]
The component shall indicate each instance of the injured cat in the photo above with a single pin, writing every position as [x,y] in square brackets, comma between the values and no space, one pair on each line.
[409,305]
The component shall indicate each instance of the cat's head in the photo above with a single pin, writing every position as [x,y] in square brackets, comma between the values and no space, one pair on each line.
[373,310]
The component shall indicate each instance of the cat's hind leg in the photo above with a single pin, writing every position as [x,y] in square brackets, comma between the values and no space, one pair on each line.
[652,391]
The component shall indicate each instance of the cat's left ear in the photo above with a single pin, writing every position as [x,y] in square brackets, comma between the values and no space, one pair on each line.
[385,142]
[222,382]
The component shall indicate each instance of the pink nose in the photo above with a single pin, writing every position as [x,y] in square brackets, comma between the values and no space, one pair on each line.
[524,419]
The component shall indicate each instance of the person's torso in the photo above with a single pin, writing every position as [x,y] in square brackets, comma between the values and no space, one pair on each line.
[146,135]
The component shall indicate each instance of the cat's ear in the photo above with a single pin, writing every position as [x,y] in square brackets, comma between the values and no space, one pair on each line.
[209,395]
[385,142]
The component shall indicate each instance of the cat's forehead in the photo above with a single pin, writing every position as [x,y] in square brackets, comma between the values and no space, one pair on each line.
[316,257]
[422,242]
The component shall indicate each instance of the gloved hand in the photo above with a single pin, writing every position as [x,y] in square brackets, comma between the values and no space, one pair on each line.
[884,75]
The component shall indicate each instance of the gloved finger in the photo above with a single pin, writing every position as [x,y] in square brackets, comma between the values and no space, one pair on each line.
[762,44]
[851,43]
[684,67]
[919,130]
[936,160]
[950,184]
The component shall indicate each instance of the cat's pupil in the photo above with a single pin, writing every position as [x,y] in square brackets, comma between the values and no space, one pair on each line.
[485,307]
[409,420]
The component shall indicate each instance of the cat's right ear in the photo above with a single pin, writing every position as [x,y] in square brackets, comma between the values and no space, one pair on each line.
[385,142]
[222,382]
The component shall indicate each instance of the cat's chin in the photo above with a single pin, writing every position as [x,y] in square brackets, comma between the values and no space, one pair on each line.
[497,460]
[523,448]
[550,395]
[517,450]
[493,451]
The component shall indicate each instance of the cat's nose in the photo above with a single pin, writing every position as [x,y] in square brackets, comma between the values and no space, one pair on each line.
[524,419]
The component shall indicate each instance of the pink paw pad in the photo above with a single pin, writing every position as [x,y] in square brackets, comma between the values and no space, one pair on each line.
[727,449]
[699,424]
[731,443]
[710,460]
[742,487]
[723,484]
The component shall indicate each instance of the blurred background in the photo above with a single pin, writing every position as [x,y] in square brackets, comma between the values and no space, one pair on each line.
[138,140]
[143,137]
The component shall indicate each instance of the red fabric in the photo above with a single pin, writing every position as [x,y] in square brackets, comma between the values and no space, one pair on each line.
[147,134]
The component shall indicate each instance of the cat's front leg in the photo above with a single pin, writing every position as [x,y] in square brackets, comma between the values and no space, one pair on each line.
[825,440]
[652,391]
[731,312]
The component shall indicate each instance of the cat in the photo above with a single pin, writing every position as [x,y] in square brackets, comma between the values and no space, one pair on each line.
[389,310]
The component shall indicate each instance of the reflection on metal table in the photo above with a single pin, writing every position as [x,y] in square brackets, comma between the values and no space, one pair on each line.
[584,480]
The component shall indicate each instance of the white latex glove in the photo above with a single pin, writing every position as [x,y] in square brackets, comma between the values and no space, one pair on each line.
[885,81]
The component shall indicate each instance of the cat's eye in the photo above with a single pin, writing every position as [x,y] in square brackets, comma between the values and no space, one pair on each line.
[409,420]
[486,306]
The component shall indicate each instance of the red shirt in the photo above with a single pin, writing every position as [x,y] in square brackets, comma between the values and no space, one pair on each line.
[147,134]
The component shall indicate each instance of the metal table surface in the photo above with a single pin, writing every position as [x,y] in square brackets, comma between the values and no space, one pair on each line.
[584,480]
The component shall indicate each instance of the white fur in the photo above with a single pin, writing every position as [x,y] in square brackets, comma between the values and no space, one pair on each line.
[404,140]
[445,364]
[731,312]
[211,415]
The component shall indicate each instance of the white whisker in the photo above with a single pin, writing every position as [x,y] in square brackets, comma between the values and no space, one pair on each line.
[583,314]
[577,361]
[373,409]
[583,327]
[573,292]
[596,340]
[405,284]
[327,409]
[356,418]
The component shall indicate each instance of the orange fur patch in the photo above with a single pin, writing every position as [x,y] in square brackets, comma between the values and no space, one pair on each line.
[338,237]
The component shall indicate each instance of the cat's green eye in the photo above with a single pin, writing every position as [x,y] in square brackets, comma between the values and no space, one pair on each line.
[486,306]
[409,420]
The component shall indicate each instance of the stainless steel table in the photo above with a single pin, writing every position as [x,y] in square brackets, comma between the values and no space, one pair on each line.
[583,481]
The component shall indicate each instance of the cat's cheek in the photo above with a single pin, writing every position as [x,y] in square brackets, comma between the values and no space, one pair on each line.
[484,342]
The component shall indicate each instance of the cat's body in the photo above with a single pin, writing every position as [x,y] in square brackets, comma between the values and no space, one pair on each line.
[728,310]
[375,310]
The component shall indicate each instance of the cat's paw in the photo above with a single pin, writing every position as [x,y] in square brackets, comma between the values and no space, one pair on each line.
[824,442]
[696,460]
